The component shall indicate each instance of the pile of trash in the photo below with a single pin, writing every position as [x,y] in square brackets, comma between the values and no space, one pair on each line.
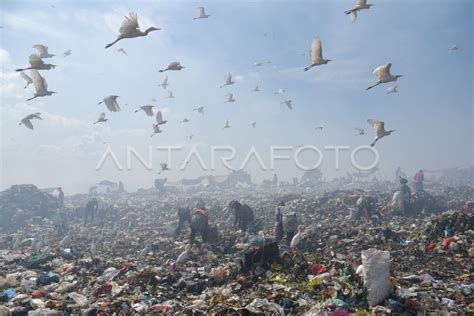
[129,260]
[22,202]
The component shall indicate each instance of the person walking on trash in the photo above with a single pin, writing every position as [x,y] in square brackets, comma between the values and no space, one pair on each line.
[418,181]
[91,209]
[279,234]
[243,214]
[184,215]
[199,223]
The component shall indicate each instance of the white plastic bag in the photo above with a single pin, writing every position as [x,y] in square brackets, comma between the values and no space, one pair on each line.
[376,273]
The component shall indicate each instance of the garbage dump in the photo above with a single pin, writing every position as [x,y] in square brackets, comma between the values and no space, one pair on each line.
[126,256]
[23,202]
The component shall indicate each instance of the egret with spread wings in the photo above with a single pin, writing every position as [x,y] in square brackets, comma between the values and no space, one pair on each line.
[130,29]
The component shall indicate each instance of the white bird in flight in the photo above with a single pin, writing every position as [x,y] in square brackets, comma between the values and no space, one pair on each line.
[43,51]
[230,98]
[316,54]
[37,63]
[170,95]
[383,75]
[201,14]
[148,109]
[226,124]
[288,104]
[280,91]
[453,48]
[26,78]
[40,85]
[190,137]
[27,120]
[256,89]
[164,83]
[253,124]
[392,90]
[159,118]
[185,120]
[130,29]
[199,109]
[67,53]
[361,5]
[360,131]
[320,127]
[228,80]
[121,50]
[175,65]
[379,128]
[111,103]
[101,118]
[261,63]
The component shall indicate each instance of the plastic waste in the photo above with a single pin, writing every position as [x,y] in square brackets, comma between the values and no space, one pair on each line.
[376,274]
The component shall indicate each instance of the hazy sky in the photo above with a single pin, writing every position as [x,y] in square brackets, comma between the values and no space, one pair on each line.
[432,114]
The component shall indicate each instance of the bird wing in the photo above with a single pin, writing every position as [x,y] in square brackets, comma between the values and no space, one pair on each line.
[129,24]
[382,71]
[361,2]
[42,50]
[116,105]
[27,123]
[26,77]
[165,81]
[201,12]
[148,109]
[35,60]
[228,78]
[378,126]
[159,117]
[38,81]
[109,102]
[354,16]
[316,51]
[35,115]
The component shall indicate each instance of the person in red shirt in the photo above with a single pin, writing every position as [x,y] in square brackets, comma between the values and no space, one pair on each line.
[418,181]
[199,224]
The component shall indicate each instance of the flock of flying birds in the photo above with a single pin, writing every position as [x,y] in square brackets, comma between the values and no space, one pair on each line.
[131,29]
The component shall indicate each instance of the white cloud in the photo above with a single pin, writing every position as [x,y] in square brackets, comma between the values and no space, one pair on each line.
[4,57]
